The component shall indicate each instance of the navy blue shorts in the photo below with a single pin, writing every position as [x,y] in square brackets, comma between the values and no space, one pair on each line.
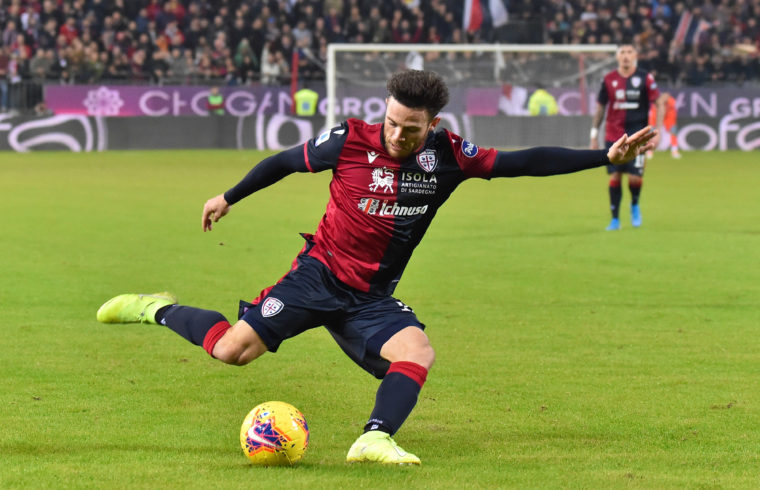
[634,167]
[310,296]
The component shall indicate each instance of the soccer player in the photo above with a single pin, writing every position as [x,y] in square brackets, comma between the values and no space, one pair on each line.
[668,121]
[626,92]
[388,181]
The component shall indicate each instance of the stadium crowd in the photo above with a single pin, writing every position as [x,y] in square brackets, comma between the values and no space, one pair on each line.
[686,42]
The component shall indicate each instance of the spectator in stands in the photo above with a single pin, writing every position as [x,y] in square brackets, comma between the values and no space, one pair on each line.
[40,65]
[5,60]
[215,102]
[273,66]
[195,25]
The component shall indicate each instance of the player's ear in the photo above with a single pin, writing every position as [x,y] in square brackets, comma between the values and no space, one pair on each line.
[434,122]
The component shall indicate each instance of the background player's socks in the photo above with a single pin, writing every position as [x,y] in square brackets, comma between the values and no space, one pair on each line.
[616,195]
[201,327]
[396,396]
[635,189]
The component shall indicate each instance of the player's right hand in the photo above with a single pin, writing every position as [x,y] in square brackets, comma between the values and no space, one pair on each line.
[213,210]
[629,147]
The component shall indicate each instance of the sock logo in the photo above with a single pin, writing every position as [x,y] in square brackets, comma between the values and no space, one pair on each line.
[271,307]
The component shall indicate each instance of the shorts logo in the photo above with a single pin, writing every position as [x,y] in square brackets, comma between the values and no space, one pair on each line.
[382,179]
[271,307]
[469,149]
[427,160]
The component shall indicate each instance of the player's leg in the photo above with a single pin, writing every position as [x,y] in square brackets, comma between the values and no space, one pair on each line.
[236,344]
[635,182]
[206,328]
[239,345]
[394,337]
[411,356]
[616,195]
[673,130]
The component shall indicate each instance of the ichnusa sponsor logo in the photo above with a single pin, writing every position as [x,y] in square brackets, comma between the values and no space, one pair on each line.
[376,207]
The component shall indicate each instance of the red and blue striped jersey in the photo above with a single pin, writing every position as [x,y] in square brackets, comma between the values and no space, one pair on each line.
[627,100]
[380,206]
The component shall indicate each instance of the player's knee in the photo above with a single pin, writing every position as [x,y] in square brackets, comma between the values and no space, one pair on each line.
[410,344]
[426,356]
[230,351]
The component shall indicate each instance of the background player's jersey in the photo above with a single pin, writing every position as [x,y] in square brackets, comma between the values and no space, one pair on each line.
[671,114]
[627,101]
[380,206]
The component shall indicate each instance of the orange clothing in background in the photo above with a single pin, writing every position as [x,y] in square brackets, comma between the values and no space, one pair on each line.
[671,114]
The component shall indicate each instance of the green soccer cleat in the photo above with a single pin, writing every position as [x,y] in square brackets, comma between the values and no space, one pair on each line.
[377,447]
[134,308]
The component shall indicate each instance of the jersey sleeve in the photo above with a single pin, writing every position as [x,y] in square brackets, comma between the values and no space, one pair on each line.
[472,160]
[321,153]
[652,89]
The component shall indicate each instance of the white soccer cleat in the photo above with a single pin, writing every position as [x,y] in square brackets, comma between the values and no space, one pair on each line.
[377,447]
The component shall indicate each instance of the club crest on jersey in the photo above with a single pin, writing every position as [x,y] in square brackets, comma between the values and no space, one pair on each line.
[271,307]
[427,160]
[636,81]
[469,149]
[382,180]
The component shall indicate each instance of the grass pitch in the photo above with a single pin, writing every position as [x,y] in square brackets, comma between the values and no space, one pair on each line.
[568,357]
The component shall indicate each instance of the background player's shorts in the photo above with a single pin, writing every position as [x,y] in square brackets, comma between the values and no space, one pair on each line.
[310,296]
[634,167]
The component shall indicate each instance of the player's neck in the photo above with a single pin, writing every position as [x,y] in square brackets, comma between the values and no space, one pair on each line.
[625,73]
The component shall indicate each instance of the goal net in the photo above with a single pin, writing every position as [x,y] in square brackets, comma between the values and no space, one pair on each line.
[490,85]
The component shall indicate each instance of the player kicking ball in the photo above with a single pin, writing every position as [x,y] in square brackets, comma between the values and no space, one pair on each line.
[344,277]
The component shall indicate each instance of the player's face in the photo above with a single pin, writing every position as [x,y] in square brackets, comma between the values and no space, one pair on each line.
[626,57]
[405,129]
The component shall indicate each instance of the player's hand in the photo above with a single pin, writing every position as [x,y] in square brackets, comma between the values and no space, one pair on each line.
[594,144]
[213,210]
[629,147]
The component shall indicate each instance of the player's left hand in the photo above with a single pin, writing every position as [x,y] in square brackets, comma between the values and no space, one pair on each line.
[629,147]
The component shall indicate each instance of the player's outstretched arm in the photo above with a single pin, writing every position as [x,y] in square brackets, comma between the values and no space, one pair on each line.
[213,210]
[629,147]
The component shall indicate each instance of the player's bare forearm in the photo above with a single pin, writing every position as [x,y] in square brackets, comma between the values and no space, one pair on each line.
[627,147]
[213,210]
[596,120]
[661,107]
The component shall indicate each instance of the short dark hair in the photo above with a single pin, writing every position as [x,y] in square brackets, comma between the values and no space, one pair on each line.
[419,89]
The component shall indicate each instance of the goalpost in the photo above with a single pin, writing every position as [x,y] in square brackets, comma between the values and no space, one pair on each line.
[484,79]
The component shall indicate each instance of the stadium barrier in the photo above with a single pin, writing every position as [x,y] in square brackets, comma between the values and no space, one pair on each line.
[278,131]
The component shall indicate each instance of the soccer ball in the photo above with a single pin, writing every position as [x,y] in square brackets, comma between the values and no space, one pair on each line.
[274,434]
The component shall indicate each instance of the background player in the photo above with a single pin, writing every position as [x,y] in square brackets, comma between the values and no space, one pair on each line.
[669,122]
[626,93]
[388,180]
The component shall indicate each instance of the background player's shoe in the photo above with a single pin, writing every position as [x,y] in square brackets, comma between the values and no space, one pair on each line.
[134,308]
[614,225]
[650,155]
[635,215]
[675,154]
[378,447]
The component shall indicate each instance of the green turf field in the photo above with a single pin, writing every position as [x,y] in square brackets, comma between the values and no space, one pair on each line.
[567,356]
